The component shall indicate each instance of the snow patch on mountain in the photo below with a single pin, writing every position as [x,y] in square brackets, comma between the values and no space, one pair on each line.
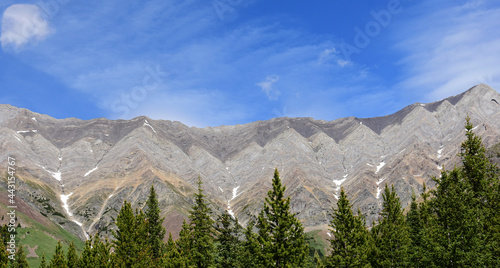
[338,183]
[235,194]
[90,171]
[57,175]
[378,187]
[64,199]
[440,152]
[380,166]
[146,123]
[380,181]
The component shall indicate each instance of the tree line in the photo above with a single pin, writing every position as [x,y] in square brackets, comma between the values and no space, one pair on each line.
[457,224]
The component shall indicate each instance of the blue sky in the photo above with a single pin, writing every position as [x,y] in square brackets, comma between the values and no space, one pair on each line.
[225,62]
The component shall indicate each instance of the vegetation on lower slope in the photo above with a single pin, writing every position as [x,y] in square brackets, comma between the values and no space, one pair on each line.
[455,225]
[41,238]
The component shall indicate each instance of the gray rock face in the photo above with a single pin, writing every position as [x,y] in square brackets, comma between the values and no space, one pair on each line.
[99,163]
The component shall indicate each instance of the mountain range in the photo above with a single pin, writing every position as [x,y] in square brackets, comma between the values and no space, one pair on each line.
[77,173]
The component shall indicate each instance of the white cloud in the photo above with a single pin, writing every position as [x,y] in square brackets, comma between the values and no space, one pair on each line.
[327,54]
[330,54]
[267,86]
[22,24]
[342,63]
[212,77]
[451,49]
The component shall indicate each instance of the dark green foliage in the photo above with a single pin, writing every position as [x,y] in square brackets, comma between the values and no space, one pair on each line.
[143,258]
[131,249]
[72,257]
[172,258]
[87,259]
[416,227]
[4,235]
[126,246]
[185,242]
[281,234]
[466,204]
[391,236]
[423,245]
[202,245]
[103,256]
[227,240]
[250,248]
[455,227]
[4,257]
[96,254]
[155,229]
[317,262]
[351,241]
[21,261]
[477,169]
[58,259]
[43,262]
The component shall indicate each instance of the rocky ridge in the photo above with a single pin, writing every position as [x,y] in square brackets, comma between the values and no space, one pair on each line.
[78,172]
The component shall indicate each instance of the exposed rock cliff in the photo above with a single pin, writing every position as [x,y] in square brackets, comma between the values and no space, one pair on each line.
[78,172]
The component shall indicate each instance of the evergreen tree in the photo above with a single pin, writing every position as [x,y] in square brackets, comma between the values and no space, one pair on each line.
[425,239]
[318,262]
[172,258]
[87,259]
[228,243]
[185,242]
[350,243]
[203,249]
[483,176]
[72,257]
[250,248]
[96,254]
[155,229]
[58,259]
[21,261]
[416,228]
[465,205]
[477,169]
[455,227]
[130,245]
[43,262]
[126,247]
[391,236]
[281,234]
[102,253]
[143,258]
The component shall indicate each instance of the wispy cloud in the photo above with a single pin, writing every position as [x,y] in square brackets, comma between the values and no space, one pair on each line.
[267,86]
[451,48]
[206,67]
[23,24]
[220,72]
[331,54]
